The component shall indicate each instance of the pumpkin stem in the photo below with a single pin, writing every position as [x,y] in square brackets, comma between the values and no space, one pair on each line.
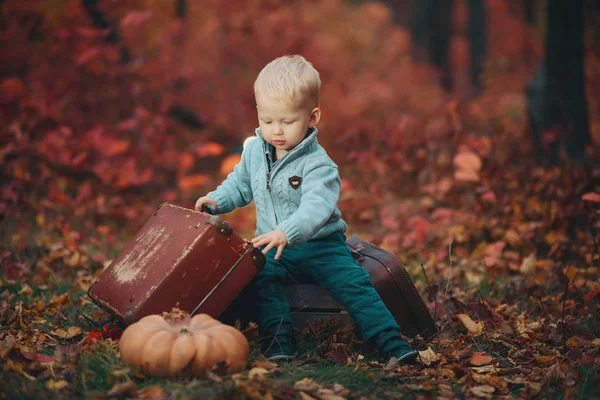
[175,315]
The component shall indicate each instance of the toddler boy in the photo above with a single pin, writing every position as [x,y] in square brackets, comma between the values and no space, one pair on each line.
[295,187]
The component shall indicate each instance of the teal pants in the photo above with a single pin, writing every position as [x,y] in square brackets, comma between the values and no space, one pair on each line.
[328,262]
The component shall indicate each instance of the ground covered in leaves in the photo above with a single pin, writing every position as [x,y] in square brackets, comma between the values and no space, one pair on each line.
[504,251]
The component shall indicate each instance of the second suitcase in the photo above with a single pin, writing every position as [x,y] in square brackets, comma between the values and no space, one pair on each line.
[179,257]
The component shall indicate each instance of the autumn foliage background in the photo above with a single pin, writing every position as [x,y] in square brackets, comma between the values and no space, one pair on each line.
[95,135]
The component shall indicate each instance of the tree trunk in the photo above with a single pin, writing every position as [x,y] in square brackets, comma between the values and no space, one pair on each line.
[181,8]
[432,30]
[556,96]
[91,6]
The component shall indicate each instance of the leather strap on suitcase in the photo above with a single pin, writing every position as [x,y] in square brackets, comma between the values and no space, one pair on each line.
[395,287]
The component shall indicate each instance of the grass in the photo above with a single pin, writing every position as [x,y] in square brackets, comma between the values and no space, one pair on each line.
[92,369]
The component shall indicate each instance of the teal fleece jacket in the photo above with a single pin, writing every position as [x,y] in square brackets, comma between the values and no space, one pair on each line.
[297,194]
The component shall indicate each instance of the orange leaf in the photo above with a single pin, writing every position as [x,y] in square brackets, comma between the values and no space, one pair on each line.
[480,358]
[466,166]
[192,182]
[116,147]
[185,163]
[589,296]
[12,87]
[474,328]
[229,162]
[591,196]
[209,149]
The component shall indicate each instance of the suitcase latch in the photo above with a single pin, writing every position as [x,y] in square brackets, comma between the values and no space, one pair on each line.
[220,225]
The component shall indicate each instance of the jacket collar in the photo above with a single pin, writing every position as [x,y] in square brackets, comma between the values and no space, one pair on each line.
[306,143]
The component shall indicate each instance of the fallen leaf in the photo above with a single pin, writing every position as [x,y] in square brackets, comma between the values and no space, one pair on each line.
[268,365]
[483,391]
[306,384]
[56,385]
[257,373]
[545,360]
[209,149]
[528,264]
[71,332]
[26,290]
[391,364]
[304,396]
[467,166]
[487,369]
[591,196]
[122,388]
[41,358]
[153,392]
[474,328]
[229,163]
[428,356]
[192,182]
[590,295]
[480,358]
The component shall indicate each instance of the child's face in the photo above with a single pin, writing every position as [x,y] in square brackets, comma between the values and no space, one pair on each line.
[284,125]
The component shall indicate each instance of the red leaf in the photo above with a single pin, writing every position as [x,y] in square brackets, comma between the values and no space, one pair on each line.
[589,296]
[87,56]
[593,197]
[41,358]
[95,335]
[128,124]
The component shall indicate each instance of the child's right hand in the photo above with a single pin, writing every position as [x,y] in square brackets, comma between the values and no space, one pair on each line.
[205,200]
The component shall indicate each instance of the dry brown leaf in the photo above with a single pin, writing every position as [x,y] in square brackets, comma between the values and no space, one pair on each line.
[528,264]
[305,396]
[71,332]
[306,384]
[467,166]
[474,328]
[123,387]
[26,290]
[257,373]
[268,365]
[428,356]
[153,392]
[484,391]
[492,380]
[545,360]
[480,358]
[486,369]
[56,385]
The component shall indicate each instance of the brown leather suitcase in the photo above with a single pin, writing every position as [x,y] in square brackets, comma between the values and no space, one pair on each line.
[395,287]
[179,257]
[390,279]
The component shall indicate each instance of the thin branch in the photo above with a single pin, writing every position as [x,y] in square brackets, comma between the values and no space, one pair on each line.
[594,239]
[545,313]
[450,270]
[562,318]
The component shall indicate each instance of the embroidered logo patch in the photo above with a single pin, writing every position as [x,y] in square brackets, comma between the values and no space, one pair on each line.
[295,182]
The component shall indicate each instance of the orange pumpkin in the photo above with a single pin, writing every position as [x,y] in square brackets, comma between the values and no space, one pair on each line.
[165,345]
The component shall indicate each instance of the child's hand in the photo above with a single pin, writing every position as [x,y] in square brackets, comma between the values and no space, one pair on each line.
[272,239]
[205,200]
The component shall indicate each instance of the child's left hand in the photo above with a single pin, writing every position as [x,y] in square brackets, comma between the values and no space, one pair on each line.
[272,239]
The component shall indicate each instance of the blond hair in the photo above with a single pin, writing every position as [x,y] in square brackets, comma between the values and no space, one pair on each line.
[289,78]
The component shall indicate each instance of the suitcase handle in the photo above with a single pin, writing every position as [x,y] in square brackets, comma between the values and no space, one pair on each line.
[208,209]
